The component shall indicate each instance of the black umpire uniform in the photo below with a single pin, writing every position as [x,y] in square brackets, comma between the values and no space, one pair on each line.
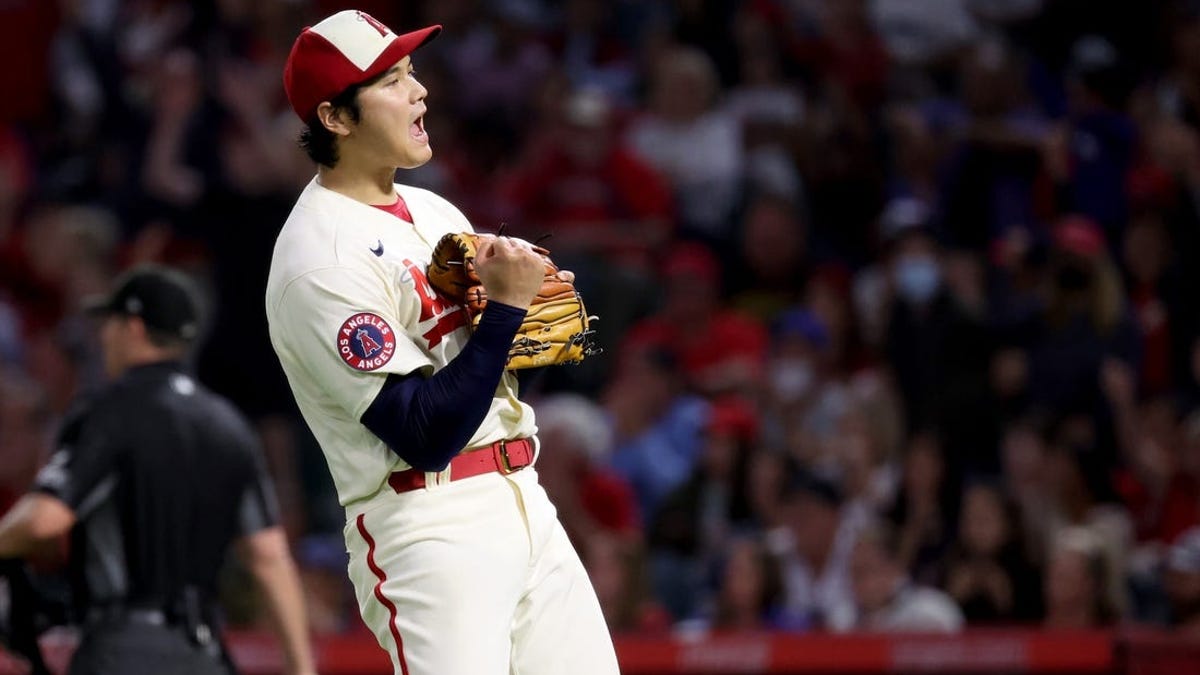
[163,475]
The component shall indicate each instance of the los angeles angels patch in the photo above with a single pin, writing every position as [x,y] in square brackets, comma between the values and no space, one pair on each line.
[366,342]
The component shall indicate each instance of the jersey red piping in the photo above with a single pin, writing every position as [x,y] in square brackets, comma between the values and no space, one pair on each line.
[383,599]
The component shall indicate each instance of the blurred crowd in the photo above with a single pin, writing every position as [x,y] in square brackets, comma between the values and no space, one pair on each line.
[894,294]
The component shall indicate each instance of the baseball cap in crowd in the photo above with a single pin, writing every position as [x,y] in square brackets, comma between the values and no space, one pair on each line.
[806,483]
[1184,554]
[1092,53]
[801,323]
[163,298]
[342,50]
[733,416]
[1096,63]
[902,216]
[589,108]
[694,260]
[1079,235]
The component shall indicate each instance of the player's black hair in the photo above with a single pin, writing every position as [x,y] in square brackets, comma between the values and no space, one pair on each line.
[319,143]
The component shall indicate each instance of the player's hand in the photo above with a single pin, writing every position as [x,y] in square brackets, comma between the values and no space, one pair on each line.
[510,271]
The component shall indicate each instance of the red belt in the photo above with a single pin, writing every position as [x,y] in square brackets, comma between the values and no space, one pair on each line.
[503,457]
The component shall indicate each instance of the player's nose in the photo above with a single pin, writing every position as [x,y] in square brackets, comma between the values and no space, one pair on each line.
[419,92]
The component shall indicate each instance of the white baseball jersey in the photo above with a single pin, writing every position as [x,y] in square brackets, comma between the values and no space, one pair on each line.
[348,303]
[466,577]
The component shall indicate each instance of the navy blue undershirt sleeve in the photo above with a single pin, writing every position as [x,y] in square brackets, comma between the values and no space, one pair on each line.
[427,421]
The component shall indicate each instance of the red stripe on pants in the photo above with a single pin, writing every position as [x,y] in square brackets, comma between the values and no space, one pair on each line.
[383,599]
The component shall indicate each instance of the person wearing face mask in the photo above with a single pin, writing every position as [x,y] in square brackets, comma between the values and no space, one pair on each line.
[936,346]
[805,395]
[918,278]
[799,345]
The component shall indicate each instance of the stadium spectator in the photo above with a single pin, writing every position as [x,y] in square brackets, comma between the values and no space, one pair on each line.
[751,588]
[1075,588]
[925,509]
[591,52]
[698,521]
[695,144]
[771,268]
[886,599]
[1183,582]
[617,568]
[1099,136]
[1153,298]
[589,191]
[987,571]
[590,497]
[1083,496]
[936,344]
[769,108]
[993,162]
[1024,458]
[814,547]
[657,426]
[1084,322]
[720,351]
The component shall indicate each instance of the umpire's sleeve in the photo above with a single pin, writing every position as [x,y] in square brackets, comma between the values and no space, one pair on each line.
[258,508]
[85,462]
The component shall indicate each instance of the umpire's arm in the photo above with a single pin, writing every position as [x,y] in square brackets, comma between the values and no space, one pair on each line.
[36,518]
[262,547]
[83,460]
[265,554]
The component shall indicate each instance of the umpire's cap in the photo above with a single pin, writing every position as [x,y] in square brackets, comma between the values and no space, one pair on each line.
[341,50]
[164,299]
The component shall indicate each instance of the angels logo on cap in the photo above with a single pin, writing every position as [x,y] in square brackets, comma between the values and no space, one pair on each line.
[366,342]
[344,49]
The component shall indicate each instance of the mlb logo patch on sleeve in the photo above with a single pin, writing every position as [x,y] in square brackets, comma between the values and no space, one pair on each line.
[366,342]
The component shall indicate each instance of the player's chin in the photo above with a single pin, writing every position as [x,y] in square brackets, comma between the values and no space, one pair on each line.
[416,156]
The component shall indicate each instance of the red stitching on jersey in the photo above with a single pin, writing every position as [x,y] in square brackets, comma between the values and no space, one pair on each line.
[383,599]
[432,304]
[445,326]
[450,317]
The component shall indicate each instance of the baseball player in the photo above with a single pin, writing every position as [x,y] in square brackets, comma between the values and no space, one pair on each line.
[456,554]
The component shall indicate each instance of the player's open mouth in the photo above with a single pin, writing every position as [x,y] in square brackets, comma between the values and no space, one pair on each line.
[417,130]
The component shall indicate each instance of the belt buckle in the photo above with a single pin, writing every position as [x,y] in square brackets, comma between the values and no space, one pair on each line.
[503,462]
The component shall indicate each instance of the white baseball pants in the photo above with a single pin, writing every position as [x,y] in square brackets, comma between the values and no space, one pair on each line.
[476,577]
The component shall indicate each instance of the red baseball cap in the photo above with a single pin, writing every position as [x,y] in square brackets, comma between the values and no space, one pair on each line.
[343,49]
[733,417]
[693,260]
[1080,235]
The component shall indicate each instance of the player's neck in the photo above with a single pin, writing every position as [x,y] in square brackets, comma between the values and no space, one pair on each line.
[368,185]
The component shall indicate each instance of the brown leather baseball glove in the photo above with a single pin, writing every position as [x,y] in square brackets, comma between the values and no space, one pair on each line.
[556,327]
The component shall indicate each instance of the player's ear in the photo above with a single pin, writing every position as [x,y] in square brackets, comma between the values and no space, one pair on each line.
[334,119]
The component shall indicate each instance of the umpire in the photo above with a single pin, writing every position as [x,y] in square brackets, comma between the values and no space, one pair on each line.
[155,477]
